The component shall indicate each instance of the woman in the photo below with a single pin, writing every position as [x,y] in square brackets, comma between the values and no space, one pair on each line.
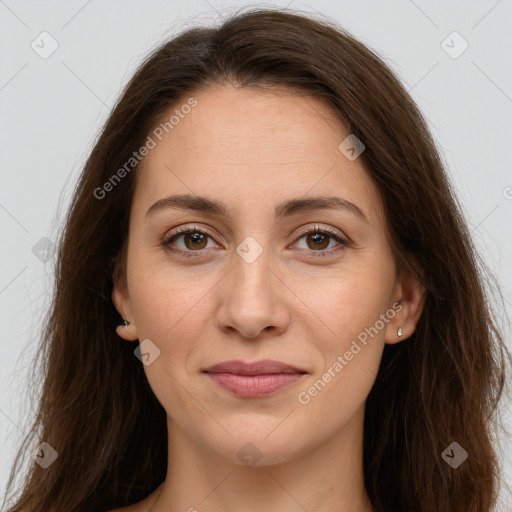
[266,216]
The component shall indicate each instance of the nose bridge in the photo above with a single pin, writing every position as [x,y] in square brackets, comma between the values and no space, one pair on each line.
[249,298]
[252,266]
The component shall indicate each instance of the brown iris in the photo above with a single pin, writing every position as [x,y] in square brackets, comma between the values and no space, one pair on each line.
[318,238]
[198,240]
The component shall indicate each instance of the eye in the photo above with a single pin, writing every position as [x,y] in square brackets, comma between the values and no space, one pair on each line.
[317,239]
[194,240]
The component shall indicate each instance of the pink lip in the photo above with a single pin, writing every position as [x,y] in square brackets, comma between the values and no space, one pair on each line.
[253,379]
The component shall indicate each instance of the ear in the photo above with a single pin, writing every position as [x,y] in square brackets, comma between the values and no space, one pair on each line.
[408,300]
[121,300]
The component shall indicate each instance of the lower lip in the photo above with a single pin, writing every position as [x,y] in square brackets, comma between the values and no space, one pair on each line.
[252,386]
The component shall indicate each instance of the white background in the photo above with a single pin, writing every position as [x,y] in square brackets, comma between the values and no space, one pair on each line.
[52,110]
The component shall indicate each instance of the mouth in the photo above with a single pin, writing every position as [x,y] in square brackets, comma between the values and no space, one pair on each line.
[253,380]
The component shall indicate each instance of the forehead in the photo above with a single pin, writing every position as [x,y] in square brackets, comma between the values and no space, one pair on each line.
[242,122]
[248,144]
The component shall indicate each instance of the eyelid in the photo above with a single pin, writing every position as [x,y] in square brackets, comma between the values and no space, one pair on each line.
[319,227]
[190,227]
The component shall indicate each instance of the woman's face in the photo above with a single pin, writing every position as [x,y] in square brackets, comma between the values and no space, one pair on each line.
[251,284]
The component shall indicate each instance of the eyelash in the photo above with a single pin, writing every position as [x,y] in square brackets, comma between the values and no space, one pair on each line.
[194,229]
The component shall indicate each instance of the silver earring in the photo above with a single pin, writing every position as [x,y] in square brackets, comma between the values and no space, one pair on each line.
[126,323]
[400,333]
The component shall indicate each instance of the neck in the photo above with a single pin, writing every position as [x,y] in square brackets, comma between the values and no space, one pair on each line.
[327,478]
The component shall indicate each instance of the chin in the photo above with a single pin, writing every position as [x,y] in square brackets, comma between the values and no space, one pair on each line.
[258,447]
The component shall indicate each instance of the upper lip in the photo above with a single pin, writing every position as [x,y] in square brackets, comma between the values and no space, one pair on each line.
[256,368]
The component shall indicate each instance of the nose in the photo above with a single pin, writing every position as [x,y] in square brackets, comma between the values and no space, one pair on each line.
[253,299]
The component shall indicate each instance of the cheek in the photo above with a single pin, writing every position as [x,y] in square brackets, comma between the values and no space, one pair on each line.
[348,356]
[347,300]
[166,300]
[349,334]
[170,314]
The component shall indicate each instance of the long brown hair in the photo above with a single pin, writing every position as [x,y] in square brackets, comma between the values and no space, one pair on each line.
[96,408]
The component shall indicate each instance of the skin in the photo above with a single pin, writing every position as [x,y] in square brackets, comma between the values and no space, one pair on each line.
[252,149]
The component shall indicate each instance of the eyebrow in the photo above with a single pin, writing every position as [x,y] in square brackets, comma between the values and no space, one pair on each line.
[283,209]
